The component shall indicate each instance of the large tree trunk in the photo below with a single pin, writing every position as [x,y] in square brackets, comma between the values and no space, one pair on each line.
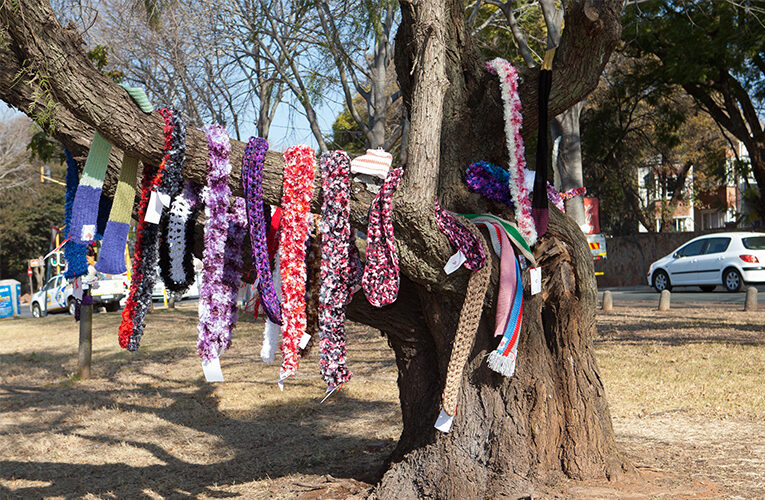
[510,435]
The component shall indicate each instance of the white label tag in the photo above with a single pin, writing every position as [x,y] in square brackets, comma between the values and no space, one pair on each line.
[454,262]
[304,341]
[154,209]
[213,372]
[535,275]
[77,288]
[444,421]
[88,232]
[164,198]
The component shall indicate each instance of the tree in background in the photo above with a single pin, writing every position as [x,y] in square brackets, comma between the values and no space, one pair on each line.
[28,207]
[633,122]
[714,51]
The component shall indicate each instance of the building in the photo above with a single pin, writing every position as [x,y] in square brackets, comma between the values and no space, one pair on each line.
[720,208]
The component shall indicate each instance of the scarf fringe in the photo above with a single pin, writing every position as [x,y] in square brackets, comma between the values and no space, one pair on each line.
[501,364]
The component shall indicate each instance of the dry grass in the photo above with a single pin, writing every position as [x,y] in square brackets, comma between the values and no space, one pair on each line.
[685,390]
[147,425]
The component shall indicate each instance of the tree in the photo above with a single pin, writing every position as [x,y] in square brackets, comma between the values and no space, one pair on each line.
[714,50]
[551,419]
[633,123]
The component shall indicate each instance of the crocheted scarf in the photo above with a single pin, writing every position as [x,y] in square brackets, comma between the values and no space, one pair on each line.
[462,239]
[336,266]
[82,227]
[508,84]
[470,316]
[299,173]
[224,234]
[252,180]
[381,273]
[176,260]
[74,253]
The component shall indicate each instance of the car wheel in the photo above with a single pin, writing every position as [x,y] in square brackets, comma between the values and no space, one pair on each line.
[71,306]
[661,281]
[708,288]
[36,312]
[112,306]
[732,280]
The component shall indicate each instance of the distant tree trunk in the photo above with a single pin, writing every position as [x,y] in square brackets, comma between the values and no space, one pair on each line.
[568,163]
[550,421]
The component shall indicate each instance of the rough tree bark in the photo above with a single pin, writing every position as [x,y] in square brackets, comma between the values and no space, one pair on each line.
[510,436]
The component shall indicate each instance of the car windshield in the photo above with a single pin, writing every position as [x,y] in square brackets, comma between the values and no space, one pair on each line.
[754,243]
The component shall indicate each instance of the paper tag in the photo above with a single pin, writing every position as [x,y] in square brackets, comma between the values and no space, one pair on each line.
[330,392]
[304,341]
[213,372]
[444,421]
[164,198]
[280,383]
[88,232]
[77,288]
[535,274]
[153,209]
[454,262]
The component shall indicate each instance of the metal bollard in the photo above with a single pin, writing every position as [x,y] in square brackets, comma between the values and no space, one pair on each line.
[608,301]
[751,299]
[664,300]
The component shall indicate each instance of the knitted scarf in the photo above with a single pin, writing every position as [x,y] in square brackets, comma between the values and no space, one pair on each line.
[470,316]
[176,260]
[381,273]
[217,297]
[508,83]
[539,209]
[74,253]
[299,173]
[252,180]
[111,259]
[336,267]
[82,227]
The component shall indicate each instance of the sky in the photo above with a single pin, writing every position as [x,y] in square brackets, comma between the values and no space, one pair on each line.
[289,127]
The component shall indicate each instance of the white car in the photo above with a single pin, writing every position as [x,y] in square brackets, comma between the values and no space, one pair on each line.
[727,259]
[106,291]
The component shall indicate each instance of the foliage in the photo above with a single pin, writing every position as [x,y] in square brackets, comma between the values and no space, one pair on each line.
[28,214]
[631,122]
[714,50]
[99,55]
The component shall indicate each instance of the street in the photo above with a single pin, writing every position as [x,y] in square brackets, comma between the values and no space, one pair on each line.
[680,295]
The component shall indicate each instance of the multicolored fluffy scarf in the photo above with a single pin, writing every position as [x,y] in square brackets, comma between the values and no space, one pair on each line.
[176,260]
[508,84]
[224,234]
[336,266]
[299,171]
[167,181]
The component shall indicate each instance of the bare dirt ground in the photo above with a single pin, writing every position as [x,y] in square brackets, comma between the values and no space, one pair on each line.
[686,390]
